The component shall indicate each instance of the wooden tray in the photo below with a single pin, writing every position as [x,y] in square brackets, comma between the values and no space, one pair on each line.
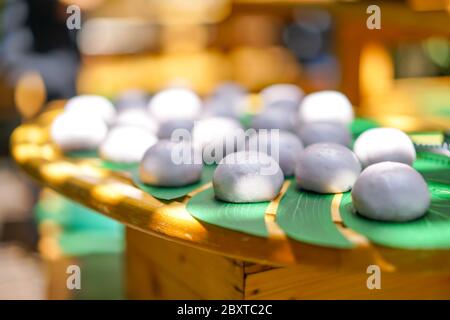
[114,194]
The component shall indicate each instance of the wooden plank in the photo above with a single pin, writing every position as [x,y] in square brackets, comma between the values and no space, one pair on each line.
[148,281]
[138,277]
[168,288]
[311,282]
[250,268]
[195,272]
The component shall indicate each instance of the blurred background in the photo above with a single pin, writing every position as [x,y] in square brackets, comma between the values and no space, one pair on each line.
[398,75]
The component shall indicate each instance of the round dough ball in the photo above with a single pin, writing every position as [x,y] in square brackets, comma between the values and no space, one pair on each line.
[326,106]
[218,137]
[318,132]
[231,106]
[274,119]
[168,127]
[126,144]
[285,147]
[229,88]
[78,132]
[227,100]
[175,103]
[281,92]
[247,176]
[391,191]
[327,168]
[163,166]
[132,99]
[209,129]
[283,106]
[384,144]
[216,150]
[92,105]
[137,118]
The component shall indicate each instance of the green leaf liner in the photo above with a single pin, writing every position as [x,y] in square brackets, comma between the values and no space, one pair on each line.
[432,231]
[244,217]
[433,167]
[359,125]
[171,193]
[306,216]
[116,166]
[246,120]
[82,154]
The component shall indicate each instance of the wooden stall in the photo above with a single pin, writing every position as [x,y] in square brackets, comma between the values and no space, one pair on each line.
[171,255]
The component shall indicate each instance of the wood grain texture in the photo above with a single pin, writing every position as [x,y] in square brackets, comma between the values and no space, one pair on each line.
[311,282]
[158,269]
[161,269]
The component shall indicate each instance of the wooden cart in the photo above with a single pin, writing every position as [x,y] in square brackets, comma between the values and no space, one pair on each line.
[171,255]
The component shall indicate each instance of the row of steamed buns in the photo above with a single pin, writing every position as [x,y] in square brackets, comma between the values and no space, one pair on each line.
[313,144]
